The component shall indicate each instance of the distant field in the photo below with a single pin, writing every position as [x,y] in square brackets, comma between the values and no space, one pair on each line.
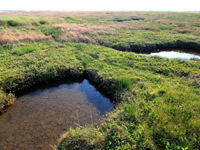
[157,99]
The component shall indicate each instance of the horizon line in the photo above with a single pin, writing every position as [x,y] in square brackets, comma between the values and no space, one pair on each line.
[198,11]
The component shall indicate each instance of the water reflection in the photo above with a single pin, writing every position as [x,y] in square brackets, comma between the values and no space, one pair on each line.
[176,54]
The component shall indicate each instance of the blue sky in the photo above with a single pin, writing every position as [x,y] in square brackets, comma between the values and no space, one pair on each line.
[102,5]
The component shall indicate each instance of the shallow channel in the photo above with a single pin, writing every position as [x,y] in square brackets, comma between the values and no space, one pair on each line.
[176,54]
[40,116]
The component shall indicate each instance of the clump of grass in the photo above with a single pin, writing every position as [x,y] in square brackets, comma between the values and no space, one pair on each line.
[51,31]
[85,62]
[43,22]
[72,20]
[122,83]
[13,23]
[5,100]
[23,50]
[78,139]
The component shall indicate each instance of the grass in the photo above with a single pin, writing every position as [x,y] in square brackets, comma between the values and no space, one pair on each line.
[122,83]
[158,102]
[25,48]
[22,21]
[9,37]
[82,32]
[51,31]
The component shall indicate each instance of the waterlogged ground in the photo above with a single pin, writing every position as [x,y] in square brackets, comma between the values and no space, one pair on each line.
[38,118]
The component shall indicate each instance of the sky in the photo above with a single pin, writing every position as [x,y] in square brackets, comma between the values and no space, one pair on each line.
[101,5]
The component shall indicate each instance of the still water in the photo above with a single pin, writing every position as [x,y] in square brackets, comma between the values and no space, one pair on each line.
[176,54]
[40,116]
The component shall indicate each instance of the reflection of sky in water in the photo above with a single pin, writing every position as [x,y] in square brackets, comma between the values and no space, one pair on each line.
[52,89]
[173,54]
[102,103]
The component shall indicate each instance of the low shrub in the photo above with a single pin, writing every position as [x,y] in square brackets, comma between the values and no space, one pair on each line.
[42,22]
[13,23]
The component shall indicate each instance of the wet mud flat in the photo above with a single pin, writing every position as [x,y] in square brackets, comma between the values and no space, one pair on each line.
[40,116]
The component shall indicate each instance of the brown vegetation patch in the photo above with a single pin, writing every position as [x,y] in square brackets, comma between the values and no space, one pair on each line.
[82,32]
[198,31]
[184,30]
[14,37]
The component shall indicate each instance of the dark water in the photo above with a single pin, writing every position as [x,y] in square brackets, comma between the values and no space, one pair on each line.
[176,54]
[39,117]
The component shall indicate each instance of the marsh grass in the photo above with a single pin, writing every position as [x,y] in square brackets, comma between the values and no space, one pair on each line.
[51,31]
[158,98]
[15,37]
[83,32]
[22,21]
[24,50]
[123,83]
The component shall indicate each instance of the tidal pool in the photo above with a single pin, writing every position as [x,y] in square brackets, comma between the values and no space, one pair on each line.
[40,116]
[176,54]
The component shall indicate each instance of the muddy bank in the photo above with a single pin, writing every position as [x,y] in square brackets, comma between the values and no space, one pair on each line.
[9,90]
[148,48]
[128,19]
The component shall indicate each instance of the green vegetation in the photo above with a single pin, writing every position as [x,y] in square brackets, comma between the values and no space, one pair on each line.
[54,32]
[158,103]
[122,83]
[73,20]
[11,23]
[28,48]
[22,21]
